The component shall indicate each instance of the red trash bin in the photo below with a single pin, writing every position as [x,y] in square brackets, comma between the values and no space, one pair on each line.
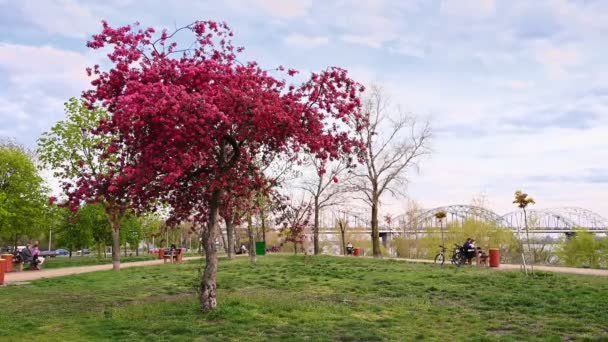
[161,253]
[357,251]
[1,271]
[494,257]
[8,262]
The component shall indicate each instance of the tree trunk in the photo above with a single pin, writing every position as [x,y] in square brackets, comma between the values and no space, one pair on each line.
[208,288]
[252,255]
[115,246]
[529,247]
[375,233]
[316,228]
[230,238]
[263,215]
[224,244]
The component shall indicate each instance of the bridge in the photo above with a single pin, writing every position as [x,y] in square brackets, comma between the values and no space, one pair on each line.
[566,220]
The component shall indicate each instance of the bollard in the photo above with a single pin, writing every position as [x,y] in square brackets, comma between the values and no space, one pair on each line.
[8,263]
[1,271]
[494,257]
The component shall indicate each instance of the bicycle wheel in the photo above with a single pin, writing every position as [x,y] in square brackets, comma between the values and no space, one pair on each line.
[457,258]
[439,259]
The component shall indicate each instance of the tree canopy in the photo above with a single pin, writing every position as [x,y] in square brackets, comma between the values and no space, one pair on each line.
[23,195]
[190,124]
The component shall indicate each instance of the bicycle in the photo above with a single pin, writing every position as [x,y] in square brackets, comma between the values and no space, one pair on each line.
[458,256]
[440,257]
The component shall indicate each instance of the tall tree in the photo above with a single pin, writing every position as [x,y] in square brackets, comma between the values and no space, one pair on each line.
[73,149]
[325,191]
[131,231]
[522,201]
[394,145]
[75,232]
[191,124]
[23,195]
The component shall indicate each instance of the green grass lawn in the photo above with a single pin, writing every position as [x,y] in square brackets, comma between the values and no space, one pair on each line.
[325,299]
[60,262]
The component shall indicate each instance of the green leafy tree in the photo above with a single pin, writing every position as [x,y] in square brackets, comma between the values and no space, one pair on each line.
[151,224]
[71,149]
[487,235]
[583,250]
[94,216]
[522,201]
[75,231]
[131,231]
[24,209]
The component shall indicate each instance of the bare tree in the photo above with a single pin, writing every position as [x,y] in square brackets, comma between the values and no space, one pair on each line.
[394,146]
[325,191]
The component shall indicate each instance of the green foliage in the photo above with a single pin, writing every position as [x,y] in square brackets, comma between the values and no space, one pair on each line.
[70,147]
[75,231]
[584,250]
[24,210]
[328,299]
[131,230]
[486,235]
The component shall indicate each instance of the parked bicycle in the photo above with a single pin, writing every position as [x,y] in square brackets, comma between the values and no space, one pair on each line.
[440,257]
[459,256]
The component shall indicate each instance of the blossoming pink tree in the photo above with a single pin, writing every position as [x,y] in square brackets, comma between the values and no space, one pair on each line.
[191,123]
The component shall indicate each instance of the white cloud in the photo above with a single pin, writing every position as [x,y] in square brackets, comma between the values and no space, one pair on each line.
[513,84]
[275,8]
[557,61]
[469,8]
[370,40]
[64,17]
[29,65]
[300,40]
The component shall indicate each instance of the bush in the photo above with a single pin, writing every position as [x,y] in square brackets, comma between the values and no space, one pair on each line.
[584,250]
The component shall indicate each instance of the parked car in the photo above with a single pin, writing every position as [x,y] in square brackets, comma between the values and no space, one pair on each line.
[83,252]
[62,252]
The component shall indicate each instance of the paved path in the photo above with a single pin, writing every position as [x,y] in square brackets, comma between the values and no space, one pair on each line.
[508,267]
[24,276]
[17,277]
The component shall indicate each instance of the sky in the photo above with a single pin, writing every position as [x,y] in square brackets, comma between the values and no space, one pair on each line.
[516,91]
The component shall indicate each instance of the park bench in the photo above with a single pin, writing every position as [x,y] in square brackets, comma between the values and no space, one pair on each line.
[176,255]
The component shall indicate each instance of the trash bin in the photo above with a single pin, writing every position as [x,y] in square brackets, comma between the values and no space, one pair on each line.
[8,266]
[260,248]
[357,252]
[1,271]
[494,257]
[161,253]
